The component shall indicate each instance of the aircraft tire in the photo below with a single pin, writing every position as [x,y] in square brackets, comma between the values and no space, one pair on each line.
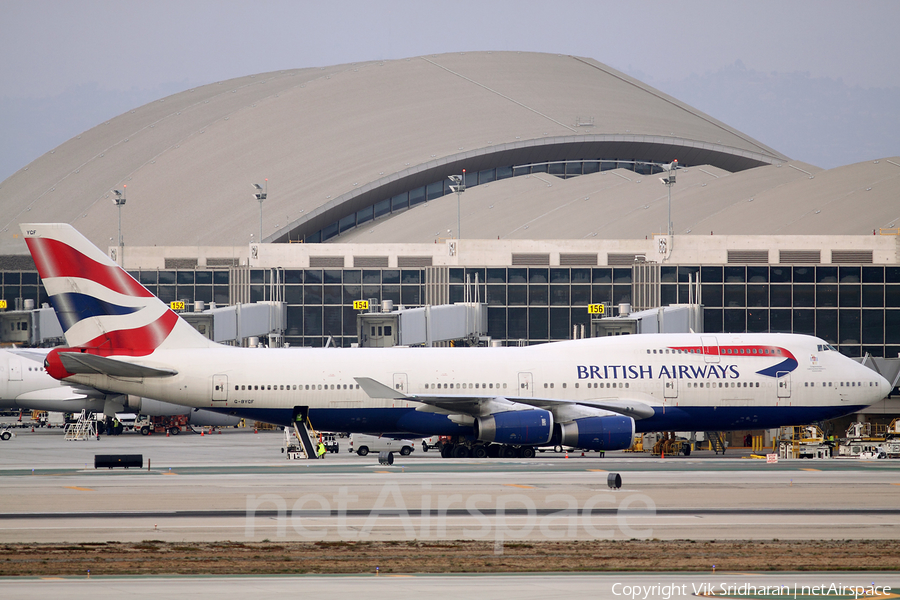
[526,452]
[446,450]
[479,452]
[508,452]
[460,452]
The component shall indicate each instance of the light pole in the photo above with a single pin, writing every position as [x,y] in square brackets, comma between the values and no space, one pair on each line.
[669,181]
[119,201]
[459,186]
[260,195]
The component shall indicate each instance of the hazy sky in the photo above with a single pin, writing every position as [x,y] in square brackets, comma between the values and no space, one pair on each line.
[817,80]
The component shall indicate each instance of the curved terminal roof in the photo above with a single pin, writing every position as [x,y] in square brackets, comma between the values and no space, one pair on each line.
[333,142]
[788,199]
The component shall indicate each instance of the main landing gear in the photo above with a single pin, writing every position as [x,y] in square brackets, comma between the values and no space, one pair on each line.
[478,450]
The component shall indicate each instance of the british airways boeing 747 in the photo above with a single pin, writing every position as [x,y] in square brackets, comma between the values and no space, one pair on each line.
[591,393]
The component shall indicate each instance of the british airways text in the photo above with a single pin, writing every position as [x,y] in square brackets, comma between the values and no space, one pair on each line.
[647,372]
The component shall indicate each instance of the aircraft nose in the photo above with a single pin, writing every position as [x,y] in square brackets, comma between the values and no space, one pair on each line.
[885,386]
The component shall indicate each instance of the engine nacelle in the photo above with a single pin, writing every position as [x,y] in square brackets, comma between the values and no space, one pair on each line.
[522,427]
[208,418]
[198,417]
[598,433]
[156,408]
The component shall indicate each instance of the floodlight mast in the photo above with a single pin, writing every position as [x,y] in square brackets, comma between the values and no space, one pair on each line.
[459,186]
[669,181]
[261,194]
[119,201]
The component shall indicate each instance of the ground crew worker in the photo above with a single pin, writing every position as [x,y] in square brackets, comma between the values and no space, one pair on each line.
[320,450]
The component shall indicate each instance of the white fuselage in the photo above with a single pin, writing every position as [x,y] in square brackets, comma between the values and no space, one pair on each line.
[682,376]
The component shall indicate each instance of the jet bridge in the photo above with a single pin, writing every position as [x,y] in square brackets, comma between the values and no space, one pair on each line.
[240,323]
[675,318]
[443,324]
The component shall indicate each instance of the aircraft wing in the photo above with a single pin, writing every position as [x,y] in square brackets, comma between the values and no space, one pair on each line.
[92,364]
[479,406]
[476,406]
[636,409]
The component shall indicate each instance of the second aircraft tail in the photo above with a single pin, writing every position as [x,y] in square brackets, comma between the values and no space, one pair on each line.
[98,304]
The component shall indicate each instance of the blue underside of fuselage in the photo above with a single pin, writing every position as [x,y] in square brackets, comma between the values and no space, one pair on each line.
[412,423]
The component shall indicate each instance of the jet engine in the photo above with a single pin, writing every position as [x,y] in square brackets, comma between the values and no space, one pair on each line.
[598,433]
[521,427]
[198,417]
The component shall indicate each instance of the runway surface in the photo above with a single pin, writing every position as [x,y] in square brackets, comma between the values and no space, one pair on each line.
[238,486]
[653,586]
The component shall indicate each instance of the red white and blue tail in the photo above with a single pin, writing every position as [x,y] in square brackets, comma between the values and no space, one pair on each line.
[98,304]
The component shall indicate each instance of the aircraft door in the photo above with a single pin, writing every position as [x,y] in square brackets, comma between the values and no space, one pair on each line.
[526,385]
[220,388]
[783,381]
[15,369]
[670,387]
[710,348]
[401,383]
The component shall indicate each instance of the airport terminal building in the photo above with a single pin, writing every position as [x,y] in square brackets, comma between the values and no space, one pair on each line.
[561,159]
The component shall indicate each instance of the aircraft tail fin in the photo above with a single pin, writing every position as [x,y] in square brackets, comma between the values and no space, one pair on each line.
[98,304]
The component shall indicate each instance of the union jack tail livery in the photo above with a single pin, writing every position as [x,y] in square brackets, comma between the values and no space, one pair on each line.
[101,308]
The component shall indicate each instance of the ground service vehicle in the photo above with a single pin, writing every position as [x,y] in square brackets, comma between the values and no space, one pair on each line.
[362,444]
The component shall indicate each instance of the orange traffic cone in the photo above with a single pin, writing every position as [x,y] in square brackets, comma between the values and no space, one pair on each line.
[167,433]
[567,454]
[220,432]
[201,433]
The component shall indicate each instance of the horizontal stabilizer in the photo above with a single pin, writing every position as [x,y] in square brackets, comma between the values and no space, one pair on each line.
[91,364]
